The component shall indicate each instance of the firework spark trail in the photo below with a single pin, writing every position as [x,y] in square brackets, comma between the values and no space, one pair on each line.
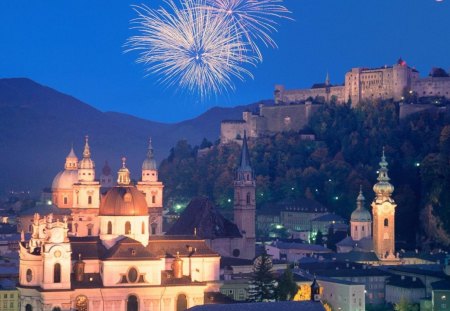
[190,46]
[254,19]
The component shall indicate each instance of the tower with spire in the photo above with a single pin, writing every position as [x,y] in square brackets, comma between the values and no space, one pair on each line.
[361,220]
[86,196]
[153,191]
[244,202]
[383,210]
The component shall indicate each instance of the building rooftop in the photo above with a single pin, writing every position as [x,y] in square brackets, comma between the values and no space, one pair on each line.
[263,306]
[202,217]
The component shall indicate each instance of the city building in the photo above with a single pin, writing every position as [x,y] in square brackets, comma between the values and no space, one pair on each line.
[108,253]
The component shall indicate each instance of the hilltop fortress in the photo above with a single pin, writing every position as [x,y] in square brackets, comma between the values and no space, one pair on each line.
[293,108]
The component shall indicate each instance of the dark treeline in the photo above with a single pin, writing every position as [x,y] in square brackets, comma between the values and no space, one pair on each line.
[345,155]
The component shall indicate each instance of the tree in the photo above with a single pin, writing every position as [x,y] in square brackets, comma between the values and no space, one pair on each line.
[319,238]
[404,305]
[262,285]
[287,288]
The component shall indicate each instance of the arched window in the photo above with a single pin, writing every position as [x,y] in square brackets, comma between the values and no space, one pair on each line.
[28,307]
[81,303]
[29,275]
[90,199]
[356,228]
[153,198]
[154,226]
[181,302]
[386,222]
[127,227]
[362,228]
[65,200]
[248,197]
[143,228]
[57,273]
[76,228]
[109,229]
[132,303]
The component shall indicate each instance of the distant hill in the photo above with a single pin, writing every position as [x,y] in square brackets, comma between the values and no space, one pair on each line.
[38,124]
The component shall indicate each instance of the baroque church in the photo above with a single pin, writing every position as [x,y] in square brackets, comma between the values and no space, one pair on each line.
[110,253]
[375,235]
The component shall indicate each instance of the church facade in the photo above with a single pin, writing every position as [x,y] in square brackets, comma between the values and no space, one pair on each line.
[109,254]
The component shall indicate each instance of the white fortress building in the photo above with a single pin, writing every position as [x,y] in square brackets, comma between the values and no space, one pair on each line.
[110,254]
[293,108]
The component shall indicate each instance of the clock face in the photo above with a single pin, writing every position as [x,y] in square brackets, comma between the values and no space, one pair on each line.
[57,254]
[57,235]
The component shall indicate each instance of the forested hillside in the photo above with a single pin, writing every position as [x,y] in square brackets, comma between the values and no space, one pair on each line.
[345,155]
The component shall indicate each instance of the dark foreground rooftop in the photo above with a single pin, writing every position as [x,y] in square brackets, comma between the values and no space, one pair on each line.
[263,306]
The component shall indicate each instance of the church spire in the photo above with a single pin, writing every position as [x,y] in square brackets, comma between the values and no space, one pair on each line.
[87,150]
[360,200]
[245,158]
[327,79]
[149,162]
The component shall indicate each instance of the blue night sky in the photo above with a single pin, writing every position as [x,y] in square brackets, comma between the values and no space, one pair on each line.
[77,47]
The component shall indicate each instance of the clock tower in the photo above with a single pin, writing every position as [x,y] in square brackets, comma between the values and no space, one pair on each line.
[383,210]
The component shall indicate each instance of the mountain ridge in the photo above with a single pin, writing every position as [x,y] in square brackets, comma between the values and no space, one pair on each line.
[39,124]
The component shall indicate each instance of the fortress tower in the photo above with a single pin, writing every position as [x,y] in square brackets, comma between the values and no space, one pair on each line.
[383,210]
[244,202]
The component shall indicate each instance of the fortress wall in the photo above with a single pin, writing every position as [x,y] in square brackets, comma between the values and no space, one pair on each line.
[230,129]
[298,96]
[288,117]
[432,87]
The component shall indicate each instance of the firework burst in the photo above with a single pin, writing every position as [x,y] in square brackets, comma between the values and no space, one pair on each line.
[254,20]
[191,47]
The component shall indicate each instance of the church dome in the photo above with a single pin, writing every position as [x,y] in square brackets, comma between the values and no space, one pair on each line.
[65,179]
[124,201]
[361,215]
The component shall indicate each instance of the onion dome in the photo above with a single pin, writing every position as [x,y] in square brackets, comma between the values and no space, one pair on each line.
[86,162]
[383,189]
[149,162]
[106,170]
[361,214]
[124,199]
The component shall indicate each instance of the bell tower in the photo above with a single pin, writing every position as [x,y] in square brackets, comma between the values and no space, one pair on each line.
[244,202]
[361,220]
[383,210]
[153,191]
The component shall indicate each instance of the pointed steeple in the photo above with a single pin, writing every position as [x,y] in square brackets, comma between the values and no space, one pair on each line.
[123,174]
[360,200]
[383,188]
[327,79]
[87,150]
[149,162]
[244,164]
